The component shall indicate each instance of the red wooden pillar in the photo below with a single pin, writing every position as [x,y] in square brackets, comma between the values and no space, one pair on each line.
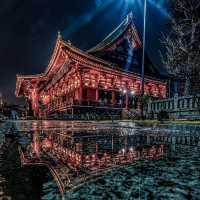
[36,143]
[113,98]
[58,102]
[81,87]
[127,100]
[97,95]
[34,98]
[81,92]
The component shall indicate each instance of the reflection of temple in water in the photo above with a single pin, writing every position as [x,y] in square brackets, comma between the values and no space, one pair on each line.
[82,152]
[95,150]
[75,156]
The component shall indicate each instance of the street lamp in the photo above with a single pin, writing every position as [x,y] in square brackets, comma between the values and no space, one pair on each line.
[124,91]
[143,56]
[143,51]
[132,92]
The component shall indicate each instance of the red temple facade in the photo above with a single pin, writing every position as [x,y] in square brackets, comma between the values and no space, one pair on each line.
[76,81]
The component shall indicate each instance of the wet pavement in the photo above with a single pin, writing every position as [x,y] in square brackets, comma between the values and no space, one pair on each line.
[90,160]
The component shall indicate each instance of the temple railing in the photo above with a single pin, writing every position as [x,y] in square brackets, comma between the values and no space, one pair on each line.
[82,104]
[178,106]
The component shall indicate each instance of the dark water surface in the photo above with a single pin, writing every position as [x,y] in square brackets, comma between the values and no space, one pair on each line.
[150,163]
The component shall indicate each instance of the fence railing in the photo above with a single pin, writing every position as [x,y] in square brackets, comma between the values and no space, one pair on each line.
[176,104]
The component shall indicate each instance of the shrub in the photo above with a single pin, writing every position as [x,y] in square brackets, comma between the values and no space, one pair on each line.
[163,115]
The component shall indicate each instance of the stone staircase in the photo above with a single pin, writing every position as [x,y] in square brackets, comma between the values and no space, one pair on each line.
[130,114]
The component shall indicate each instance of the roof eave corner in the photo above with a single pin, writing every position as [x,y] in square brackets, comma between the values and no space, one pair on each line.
[58,41]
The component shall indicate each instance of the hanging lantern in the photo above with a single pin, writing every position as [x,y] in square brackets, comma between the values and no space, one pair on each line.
[46,99]
[47,143]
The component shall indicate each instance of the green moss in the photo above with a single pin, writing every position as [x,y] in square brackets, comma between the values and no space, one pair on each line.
[156,122]
[147,122]
[186,122]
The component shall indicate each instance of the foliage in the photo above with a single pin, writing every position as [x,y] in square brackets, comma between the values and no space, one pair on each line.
[182,56]
[145,99]
[163,115]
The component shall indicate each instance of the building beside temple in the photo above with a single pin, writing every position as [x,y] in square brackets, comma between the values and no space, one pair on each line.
[105,79]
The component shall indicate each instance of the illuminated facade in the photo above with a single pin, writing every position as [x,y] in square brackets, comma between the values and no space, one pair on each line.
[105,77]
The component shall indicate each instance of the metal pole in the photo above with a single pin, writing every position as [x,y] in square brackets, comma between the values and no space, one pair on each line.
[143,56]
[144,44]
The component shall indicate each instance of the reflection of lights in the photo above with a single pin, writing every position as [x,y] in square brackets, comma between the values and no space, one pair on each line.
[47,143]
[123,150]
[131,149]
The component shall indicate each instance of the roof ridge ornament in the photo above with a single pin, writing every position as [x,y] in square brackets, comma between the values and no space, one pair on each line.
[59,35]
[69,42]
[130,16]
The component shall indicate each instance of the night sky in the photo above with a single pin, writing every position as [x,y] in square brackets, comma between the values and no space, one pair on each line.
[29,30]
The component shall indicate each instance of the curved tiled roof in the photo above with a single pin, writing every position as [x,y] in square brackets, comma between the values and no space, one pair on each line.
[113,36]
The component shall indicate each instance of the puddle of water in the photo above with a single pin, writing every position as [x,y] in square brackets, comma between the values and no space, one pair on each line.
[149,163]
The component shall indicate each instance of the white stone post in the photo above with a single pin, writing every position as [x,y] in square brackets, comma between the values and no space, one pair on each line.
[175,102]
[149,106]
[190,106]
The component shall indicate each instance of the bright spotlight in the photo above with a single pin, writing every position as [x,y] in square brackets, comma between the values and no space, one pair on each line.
[124,91]
[132,92]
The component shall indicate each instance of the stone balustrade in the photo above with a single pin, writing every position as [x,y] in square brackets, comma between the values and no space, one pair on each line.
[177,107]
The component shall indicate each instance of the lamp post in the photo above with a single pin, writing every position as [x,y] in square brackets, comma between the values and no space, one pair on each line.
[144,45]
[143,57]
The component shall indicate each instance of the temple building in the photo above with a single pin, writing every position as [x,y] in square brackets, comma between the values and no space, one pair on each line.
[106,78]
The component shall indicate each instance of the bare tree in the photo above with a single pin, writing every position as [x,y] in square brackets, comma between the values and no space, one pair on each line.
[182,56]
